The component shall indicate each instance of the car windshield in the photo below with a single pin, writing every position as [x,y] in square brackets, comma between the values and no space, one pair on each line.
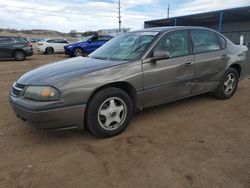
[85,39]
[125,47]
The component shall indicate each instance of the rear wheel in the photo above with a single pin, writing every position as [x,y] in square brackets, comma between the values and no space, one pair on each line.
[109,112]
[49,50]
[228,84]
[19,55]
[78,52]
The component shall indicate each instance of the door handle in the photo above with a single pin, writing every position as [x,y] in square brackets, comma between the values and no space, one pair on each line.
[224,56]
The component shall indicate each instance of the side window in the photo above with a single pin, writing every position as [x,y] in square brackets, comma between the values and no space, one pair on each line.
[94,39]
[61,41]
[64,41]
[205,41]
[103,38]
[52,41]
[176,43]
[5,40]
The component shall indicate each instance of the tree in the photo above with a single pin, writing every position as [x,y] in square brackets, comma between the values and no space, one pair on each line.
[73,33]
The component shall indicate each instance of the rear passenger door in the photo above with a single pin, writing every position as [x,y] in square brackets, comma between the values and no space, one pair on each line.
[61,43]
[54,44]
[6,47]
[210,59]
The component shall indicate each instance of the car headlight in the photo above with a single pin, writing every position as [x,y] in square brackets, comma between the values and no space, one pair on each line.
[42,93]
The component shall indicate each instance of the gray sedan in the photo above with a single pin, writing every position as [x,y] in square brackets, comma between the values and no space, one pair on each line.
[132,71]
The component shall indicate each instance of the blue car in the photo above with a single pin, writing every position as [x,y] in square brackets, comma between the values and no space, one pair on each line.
[86,45]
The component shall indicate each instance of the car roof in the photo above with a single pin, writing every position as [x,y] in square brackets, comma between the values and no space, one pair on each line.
[12,37]
[169,28]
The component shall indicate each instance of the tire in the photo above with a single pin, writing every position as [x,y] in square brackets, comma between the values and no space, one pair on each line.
[228,84]
[78,52]
[19,55]
[49,50]
[109,112]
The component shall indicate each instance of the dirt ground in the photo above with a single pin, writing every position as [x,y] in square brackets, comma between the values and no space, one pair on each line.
[199,142]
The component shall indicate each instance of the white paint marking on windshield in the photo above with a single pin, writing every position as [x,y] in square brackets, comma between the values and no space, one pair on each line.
[147,33]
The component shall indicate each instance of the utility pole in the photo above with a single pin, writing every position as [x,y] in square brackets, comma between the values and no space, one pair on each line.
[119,15]
[168,10]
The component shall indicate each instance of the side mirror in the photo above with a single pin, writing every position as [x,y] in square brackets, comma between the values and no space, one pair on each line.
[159,55]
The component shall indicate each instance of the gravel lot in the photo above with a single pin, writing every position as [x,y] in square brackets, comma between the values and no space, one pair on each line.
[197,142]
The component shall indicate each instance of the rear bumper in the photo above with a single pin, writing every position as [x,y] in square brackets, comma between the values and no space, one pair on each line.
[29,53]
[53,118]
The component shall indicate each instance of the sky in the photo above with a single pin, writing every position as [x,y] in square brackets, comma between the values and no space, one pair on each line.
[86,15]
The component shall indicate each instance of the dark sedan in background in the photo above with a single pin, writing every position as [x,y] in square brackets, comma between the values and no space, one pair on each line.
[86,45]
[15,47]
[131,72]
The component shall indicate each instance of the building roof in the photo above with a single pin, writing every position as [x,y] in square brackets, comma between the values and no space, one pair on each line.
[203,19]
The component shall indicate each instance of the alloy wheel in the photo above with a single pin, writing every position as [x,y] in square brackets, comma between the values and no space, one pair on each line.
[19,55]
[78,52]
[229,83]
[112,113]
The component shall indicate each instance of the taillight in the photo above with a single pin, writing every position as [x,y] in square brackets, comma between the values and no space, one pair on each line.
[29,44]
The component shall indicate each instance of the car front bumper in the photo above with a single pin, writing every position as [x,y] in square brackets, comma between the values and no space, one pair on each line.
[67,52]
[51,118]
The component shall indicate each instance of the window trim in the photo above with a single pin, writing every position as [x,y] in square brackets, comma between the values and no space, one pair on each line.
[217,38]
[190,50]
[223,38]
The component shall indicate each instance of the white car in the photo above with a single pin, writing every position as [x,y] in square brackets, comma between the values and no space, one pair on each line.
[50,46]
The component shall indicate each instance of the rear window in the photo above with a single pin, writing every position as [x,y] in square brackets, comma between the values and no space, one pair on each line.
[21,39]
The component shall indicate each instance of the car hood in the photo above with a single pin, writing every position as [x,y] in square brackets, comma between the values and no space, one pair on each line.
[76,44]
[57,72]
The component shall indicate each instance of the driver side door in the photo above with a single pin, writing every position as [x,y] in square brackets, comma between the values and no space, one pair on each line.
[169,79]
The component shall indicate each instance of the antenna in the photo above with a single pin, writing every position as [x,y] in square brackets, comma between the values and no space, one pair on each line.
[119,15]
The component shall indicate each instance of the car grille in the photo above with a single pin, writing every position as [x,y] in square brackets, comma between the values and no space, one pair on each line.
[17,89]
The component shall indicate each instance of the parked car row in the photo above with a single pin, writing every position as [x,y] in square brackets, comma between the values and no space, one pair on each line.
[21,47]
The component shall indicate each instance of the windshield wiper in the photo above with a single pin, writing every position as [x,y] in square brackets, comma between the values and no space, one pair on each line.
[101,58]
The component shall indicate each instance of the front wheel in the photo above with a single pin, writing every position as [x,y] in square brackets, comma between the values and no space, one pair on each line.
[228,84]
[109,112]
[78,52]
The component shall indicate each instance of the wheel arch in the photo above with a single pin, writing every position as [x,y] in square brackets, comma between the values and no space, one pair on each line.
[125,86]
[237,67]
[49,47]
[16,50]
[77,47]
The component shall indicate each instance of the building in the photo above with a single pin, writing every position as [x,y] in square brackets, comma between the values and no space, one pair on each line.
[231,22]
[112,32]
